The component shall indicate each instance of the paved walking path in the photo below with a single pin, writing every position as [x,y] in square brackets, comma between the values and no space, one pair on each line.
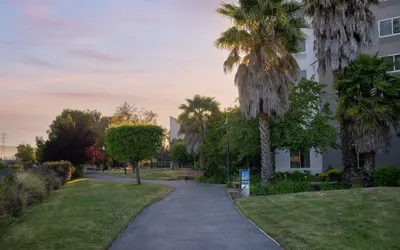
[194,216]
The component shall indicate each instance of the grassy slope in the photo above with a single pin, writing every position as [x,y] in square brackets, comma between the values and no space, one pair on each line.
[154,174]
[344,219]
[84,215]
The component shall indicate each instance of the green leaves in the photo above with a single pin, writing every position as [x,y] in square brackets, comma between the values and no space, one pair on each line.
[138,142]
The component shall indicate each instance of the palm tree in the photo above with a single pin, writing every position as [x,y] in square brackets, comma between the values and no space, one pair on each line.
[261,43]
[194,119]
[342,30]
[369,98]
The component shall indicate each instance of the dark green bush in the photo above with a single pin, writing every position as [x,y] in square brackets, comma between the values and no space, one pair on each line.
[63,169]
[331,175]
[294,176]
[32,186]
[280,187]
[387,176]
[327,186]
[77,173]
[12,202]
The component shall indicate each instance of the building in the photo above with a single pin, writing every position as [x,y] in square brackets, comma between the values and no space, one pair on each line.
[387,43]
[174,129]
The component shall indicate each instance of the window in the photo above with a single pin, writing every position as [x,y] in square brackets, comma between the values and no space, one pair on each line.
[389,27]
[299,160]
[302,46]
[394,62]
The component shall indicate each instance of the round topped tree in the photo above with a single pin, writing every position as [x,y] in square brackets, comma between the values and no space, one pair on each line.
[134,143]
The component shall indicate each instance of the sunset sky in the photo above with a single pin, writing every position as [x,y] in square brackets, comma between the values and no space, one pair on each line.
[97,54]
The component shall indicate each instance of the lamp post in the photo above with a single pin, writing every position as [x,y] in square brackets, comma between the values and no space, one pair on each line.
[102,156]
[228,174]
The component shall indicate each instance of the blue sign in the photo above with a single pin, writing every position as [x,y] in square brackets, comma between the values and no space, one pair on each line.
[245,175]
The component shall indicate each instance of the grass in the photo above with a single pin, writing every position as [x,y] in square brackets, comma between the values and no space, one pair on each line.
[153,173]
[340,219]
[85,215]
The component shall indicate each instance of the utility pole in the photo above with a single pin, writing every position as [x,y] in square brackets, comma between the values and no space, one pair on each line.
[3,145]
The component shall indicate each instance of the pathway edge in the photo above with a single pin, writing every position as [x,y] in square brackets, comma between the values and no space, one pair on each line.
[262,231]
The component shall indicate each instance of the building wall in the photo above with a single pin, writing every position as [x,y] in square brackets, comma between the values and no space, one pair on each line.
[385,46]
[174,129]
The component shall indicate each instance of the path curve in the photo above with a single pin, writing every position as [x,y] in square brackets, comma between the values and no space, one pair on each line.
[194,216]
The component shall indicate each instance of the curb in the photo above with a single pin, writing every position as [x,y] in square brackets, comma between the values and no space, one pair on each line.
[262,231]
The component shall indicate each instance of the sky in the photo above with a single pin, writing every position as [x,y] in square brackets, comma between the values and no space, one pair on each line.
[97,54]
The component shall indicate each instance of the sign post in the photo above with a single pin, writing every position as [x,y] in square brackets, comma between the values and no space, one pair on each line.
[245,182]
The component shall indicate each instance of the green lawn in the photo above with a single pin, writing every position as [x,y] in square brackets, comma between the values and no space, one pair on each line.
[343,219]
[83,215]
[153,173]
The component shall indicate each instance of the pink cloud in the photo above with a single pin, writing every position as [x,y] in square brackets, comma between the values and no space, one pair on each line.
[97,55]
[117,72]
[32,61]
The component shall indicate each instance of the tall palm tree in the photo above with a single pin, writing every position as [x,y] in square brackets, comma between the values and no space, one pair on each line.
[342,29]
[194,119]
[370,100]
[261,43]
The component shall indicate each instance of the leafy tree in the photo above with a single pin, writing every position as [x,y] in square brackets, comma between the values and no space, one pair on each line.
[93,153]
[69,136]
[339,39]
[25,153]
[306,124]
[179,152]
[134,143]
[369,102]
[127,113]
[194,119]
[39,151]
[267,34]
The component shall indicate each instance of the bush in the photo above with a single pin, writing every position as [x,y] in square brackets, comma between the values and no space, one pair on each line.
[280,187]
[212,180]
[294,176]
[11,201]
[63,169]
[32,186]
[331,175]
[327,186]
[387,176]
[77,173]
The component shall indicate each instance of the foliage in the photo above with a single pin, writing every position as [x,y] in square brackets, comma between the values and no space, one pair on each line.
[340,37]
[32,186]
[331,175]
[2,165]
[306,124]
[327,186]
[294,176]
[93,153]
[39,151]
[129,114]
[134,141]
[212,180]
[63,169]
[69,136]
[25,153]
[387,176]
[194,120]
[12,201]
[179,152]
[280,187]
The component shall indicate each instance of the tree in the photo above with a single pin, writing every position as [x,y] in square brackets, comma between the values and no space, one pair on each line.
[194,118]
[342,30]
[127,113]
[69,136]
[306,124]
[369,102]
[134,142]
[179,152]
[93,153]
[39,151]
[267,34]
[25,153]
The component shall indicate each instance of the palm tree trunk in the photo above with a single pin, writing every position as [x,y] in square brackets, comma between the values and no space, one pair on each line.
[349,158]
[267,171]
[368,167]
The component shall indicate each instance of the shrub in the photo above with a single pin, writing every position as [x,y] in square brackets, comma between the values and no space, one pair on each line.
[77,173]
[280,187]
[32,186]
[63,169]
[230,184]
[331,175]
[387,176]
[51,179]
[327,186]
[11,201]
[212,180]
[294,176]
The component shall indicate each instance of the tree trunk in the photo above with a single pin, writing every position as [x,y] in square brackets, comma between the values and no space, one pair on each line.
[137,172]
[125,165]
[267,171]
[349,158]
[201,159]
[368,167]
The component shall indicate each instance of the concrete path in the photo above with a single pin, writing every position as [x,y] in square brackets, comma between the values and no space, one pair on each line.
[194,216]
